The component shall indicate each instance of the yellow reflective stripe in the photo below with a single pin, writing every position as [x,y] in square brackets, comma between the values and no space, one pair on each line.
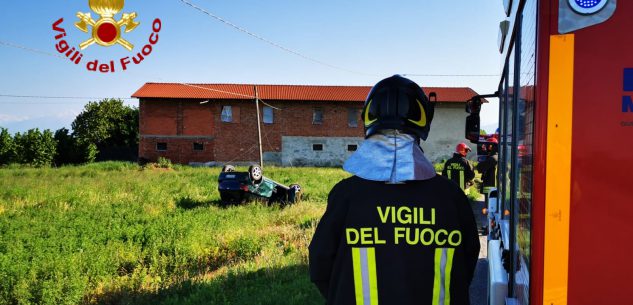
[442,276]
[558,169]
[358,279]
[461,180]
[447,277]
[373,279]
[449,174]
[437,279]
[365,277]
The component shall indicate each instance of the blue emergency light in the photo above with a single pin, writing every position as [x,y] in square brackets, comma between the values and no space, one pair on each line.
[586,7]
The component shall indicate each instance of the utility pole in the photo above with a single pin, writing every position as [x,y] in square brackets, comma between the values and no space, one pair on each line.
[259,130]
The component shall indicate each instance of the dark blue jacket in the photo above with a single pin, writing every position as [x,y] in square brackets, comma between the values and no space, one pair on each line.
[400,244]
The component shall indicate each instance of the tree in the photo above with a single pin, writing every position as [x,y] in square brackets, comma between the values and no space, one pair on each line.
[107,124]
[35,147]
[71,151]
[7,147]
[482,132]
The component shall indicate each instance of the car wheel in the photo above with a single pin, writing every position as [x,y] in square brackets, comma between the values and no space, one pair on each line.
[296,186]
[255,172]
[297,192]
[228,168]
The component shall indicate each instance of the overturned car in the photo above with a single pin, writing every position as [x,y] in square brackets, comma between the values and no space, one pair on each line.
[236,187]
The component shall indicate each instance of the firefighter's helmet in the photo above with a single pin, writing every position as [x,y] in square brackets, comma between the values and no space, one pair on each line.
[462,149]
[398,103]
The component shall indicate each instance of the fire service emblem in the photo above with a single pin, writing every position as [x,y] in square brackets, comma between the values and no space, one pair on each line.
[106,31]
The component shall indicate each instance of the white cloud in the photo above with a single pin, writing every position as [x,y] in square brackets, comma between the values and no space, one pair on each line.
[9,118]
[66,114]
[53,121]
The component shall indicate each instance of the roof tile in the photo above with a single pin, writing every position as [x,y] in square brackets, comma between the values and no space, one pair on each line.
[282,92]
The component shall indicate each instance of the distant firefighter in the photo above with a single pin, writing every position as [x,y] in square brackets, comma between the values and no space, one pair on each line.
[488,166]
[458,168]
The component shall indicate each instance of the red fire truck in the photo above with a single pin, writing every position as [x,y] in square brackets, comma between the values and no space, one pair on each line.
[562,214]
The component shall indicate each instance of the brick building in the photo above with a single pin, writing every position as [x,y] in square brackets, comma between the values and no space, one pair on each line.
[301,125]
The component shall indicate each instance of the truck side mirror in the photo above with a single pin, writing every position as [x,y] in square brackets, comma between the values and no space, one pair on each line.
[472,128]
[473,105]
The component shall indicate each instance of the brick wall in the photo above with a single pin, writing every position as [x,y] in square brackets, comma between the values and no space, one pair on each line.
[180,123]
[179,150]
[157,117]
[238,141]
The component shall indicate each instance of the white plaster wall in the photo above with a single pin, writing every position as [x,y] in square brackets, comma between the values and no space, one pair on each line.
[447,130]
[297,151]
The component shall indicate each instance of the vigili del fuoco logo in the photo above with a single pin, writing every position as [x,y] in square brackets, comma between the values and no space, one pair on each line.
[106,30]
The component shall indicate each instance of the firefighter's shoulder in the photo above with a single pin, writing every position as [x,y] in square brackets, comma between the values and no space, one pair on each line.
[342,188]
[444,185]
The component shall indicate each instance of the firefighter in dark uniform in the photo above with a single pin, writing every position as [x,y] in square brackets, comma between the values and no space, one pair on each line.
[458,168]
[395,232]
[488,166]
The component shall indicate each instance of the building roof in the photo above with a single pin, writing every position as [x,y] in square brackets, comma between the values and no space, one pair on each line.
[283,92]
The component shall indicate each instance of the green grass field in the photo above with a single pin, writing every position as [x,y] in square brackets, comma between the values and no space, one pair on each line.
[115,233]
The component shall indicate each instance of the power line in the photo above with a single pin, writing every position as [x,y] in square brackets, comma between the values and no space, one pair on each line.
[38,103]
[454,75]
[217,90]
[16,46]
[228,92]
[24,48]
[272,43]
[64,97]
[20,47]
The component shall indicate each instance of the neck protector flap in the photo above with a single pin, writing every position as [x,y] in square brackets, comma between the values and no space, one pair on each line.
[390,156]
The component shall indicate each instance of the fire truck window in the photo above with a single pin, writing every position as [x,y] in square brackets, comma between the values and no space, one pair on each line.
[509,120]
[525,130]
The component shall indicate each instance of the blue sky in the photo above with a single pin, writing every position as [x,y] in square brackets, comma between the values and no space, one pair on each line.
[375,38]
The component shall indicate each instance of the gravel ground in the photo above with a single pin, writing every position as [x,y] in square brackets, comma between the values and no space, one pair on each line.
[478,287]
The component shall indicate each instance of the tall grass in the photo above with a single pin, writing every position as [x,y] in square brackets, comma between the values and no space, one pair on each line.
[116,233]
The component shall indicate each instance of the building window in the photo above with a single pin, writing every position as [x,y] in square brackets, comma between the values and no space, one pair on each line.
[352,117]
[352,147]
[317,147]
[268,115]
[161,146]
[198,146]
[227,114]
[317,116]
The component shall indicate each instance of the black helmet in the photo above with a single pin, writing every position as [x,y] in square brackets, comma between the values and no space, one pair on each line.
[398,103]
